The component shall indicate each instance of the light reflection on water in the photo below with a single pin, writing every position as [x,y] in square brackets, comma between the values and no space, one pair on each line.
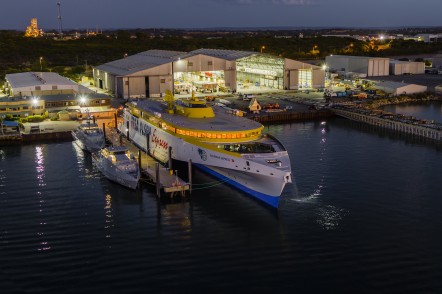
[330,217]
[40,168]
[367,207]
[108,213]
[318,187]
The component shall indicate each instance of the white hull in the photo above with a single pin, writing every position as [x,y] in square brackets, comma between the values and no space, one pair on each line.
[88,143]
[116,174]
[251,173]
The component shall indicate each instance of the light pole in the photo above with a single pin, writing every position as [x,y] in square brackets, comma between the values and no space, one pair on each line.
[262,48]
[41,65]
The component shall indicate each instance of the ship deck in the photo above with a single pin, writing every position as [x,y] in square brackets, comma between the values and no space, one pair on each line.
[223,121]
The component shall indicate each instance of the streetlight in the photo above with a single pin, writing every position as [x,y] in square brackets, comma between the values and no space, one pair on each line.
[262,48]
[41,65]
[82,100]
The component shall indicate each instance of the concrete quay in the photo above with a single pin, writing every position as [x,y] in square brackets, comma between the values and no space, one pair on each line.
[396,123]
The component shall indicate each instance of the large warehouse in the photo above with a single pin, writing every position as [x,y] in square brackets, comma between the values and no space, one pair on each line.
[151,73]
[35,93]
[369,66]
[396,88]
[398,67]
[41,83]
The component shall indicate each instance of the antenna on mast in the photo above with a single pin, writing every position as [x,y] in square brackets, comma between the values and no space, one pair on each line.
[60,25]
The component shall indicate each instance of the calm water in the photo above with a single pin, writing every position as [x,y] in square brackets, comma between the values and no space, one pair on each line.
[429,110]
[364,216]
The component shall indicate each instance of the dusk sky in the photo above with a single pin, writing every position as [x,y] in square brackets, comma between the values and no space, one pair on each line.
[83,14]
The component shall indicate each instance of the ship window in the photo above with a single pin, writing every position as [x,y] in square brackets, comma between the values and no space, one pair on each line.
[203,135]
[224,136]
[233,136]
[218,136]
[229,136]
[243,135]
[190,63]
[162,81]
[187,133]
[209,135]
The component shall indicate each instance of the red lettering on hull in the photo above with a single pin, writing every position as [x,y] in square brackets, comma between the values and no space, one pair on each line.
[158,141]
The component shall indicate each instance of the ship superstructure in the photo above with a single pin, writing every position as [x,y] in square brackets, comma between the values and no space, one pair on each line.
[229,147]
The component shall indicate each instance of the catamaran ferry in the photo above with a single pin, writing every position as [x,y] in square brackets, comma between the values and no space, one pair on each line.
[231,148]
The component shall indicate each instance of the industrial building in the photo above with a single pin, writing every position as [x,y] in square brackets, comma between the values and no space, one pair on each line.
[39,93]
[430,38]
[30,84]
[368,66]
[151,73]
[396,88]
[398,67]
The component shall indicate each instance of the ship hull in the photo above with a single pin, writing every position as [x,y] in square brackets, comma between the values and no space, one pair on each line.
[239,183]
[112,173]
[250,173]
[88,144]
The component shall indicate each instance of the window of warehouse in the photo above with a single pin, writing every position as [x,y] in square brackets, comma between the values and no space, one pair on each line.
[305,78]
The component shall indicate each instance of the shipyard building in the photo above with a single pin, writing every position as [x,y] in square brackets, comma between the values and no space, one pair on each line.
[152,73]
[366,66]
[398,67]
[397,88]
[39,93]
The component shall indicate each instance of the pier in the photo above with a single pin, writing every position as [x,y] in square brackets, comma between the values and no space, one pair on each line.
[165,179]
[394,122]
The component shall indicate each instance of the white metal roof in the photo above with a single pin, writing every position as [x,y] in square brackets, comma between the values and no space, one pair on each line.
[30,79]
[393,85]
[141,61]
[356,57]
[223,54]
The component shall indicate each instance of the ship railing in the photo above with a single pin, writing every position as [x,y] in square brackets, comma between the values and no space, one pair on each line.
[279,143]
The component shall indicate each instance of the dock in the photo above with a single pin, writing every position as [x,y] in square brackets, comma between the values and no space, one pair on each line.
[168,182]
[396,123]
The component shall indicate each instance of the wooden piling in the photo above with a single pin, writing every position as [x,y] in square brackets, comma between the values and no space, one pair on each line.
[190,175]
[104,129]
[157,178]
[115,119]
[170,157]
[139,159]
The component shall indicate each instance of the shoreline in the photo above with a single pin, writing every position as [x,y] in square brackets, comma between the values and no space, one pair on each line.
[376,104]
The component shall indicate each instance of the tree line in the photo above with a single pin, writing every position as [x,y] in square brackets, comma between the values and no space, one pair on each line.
[75,57]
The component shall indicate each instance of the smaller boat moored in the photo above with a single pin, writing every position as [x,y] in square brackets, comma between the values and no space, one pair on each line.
[89,137]
[119,165]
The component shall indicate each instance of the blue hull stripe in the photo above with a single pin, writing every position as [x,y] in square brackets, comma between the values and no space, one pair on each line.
[270,200]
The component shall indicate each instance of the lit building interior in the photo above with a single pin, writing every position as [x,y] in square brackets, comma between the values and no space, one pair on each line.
[260,71]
